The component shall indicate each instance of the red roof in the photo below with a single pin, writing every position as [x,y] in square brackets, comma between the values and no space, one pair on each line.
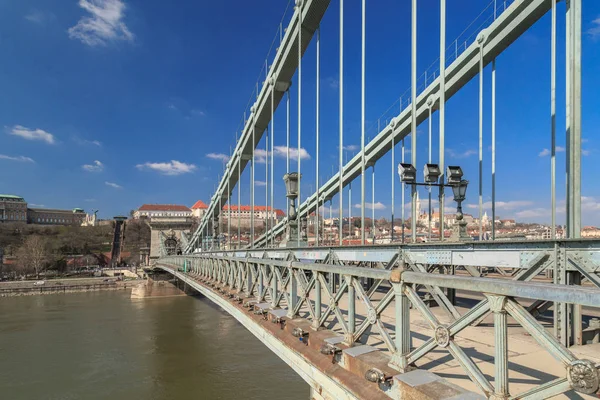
[199,205]
[163,207]
[279,213]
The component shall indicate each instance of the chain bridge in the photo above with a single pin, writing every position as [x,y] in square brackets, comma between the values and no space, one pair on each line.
[442,318]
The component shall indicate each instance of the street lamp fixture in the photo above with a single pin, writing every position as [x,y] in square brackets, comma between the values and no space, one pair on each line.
[460,190]
[291,184]
[431,173]
[454,175]
[293,235]
[408,173]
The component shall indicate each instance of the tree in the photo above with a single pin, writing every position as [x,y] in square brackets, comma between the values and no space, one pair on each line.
[383,223]
[33,255]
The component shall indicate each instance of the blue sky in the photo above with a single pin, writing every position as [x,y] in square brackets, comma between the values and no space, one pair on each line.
[108,104]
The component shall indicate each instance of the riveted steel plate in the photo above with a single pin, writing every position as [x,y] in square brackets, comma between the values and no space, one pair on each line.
[506,259]
[311,255]
[372,255]
[438,257]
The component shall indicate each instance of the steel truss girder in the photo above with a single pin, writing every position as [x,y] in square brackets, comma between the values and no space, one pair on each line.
[518,255]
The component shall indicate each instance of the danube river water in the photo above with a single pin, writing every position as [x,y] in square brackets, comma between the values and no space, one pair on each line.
[104,345]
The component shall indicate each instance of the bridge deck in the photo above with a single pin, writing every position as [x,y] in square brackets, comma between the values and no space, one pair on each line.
[529,364]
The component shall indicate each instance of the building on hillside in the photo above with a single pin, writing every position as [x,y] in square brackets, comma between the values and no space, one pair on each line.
[243,214]
[590,232]
[508,223]
[91,219]
[279,214]
[152,211]
[50,216]
[262,214]
[199,209]
[12,208]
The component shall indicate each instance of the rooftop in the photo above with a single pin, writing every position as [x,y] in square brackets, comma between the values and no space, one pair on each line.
[163,207]
[11,196]
[199,205]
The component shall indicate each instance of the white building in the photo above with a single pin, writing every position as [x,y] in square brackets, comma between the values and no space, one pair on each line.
[162,210]
[199,209]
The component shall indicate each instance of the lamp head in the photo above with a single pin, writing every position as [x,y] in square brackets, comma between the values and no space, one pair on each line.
[460,190]
[291,184]
[454,175]
[431,173]
[407,173]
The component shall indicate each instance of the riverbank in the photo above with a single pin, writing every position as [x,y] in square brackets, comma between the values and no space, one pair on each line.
[57,286]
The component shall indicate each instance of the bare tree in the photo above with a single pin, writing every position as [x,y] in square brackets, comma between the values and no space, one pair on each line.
[33,255]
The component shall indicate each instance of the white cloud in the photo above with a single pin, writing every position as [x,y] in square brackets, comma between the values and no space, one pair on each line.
[377,206]
[461,154]
[173,167]
[546,152]
[332,83]
[16,158]
[351,147]
[590,204]
[32,134]
[96,166]
[503,205]
[85,142]
[104,25]
[36,205]
[218,156]
[335,211]
[113,185]
[594,30]
[532,213]
[260,155]
[260,183]
[281,151]
[199,113]
[39,17]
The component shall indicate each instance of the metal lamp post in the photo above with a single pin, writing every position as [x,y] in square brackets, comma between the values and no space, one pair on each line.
[460,190]
[431,174]
[293,235]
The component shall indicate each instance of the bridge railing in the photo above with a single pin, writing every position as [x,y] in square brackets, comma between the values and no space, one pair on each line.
[352,299]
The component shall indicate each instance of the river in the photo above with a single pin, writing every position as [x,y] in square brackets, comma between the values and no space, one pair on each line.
[103,345]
